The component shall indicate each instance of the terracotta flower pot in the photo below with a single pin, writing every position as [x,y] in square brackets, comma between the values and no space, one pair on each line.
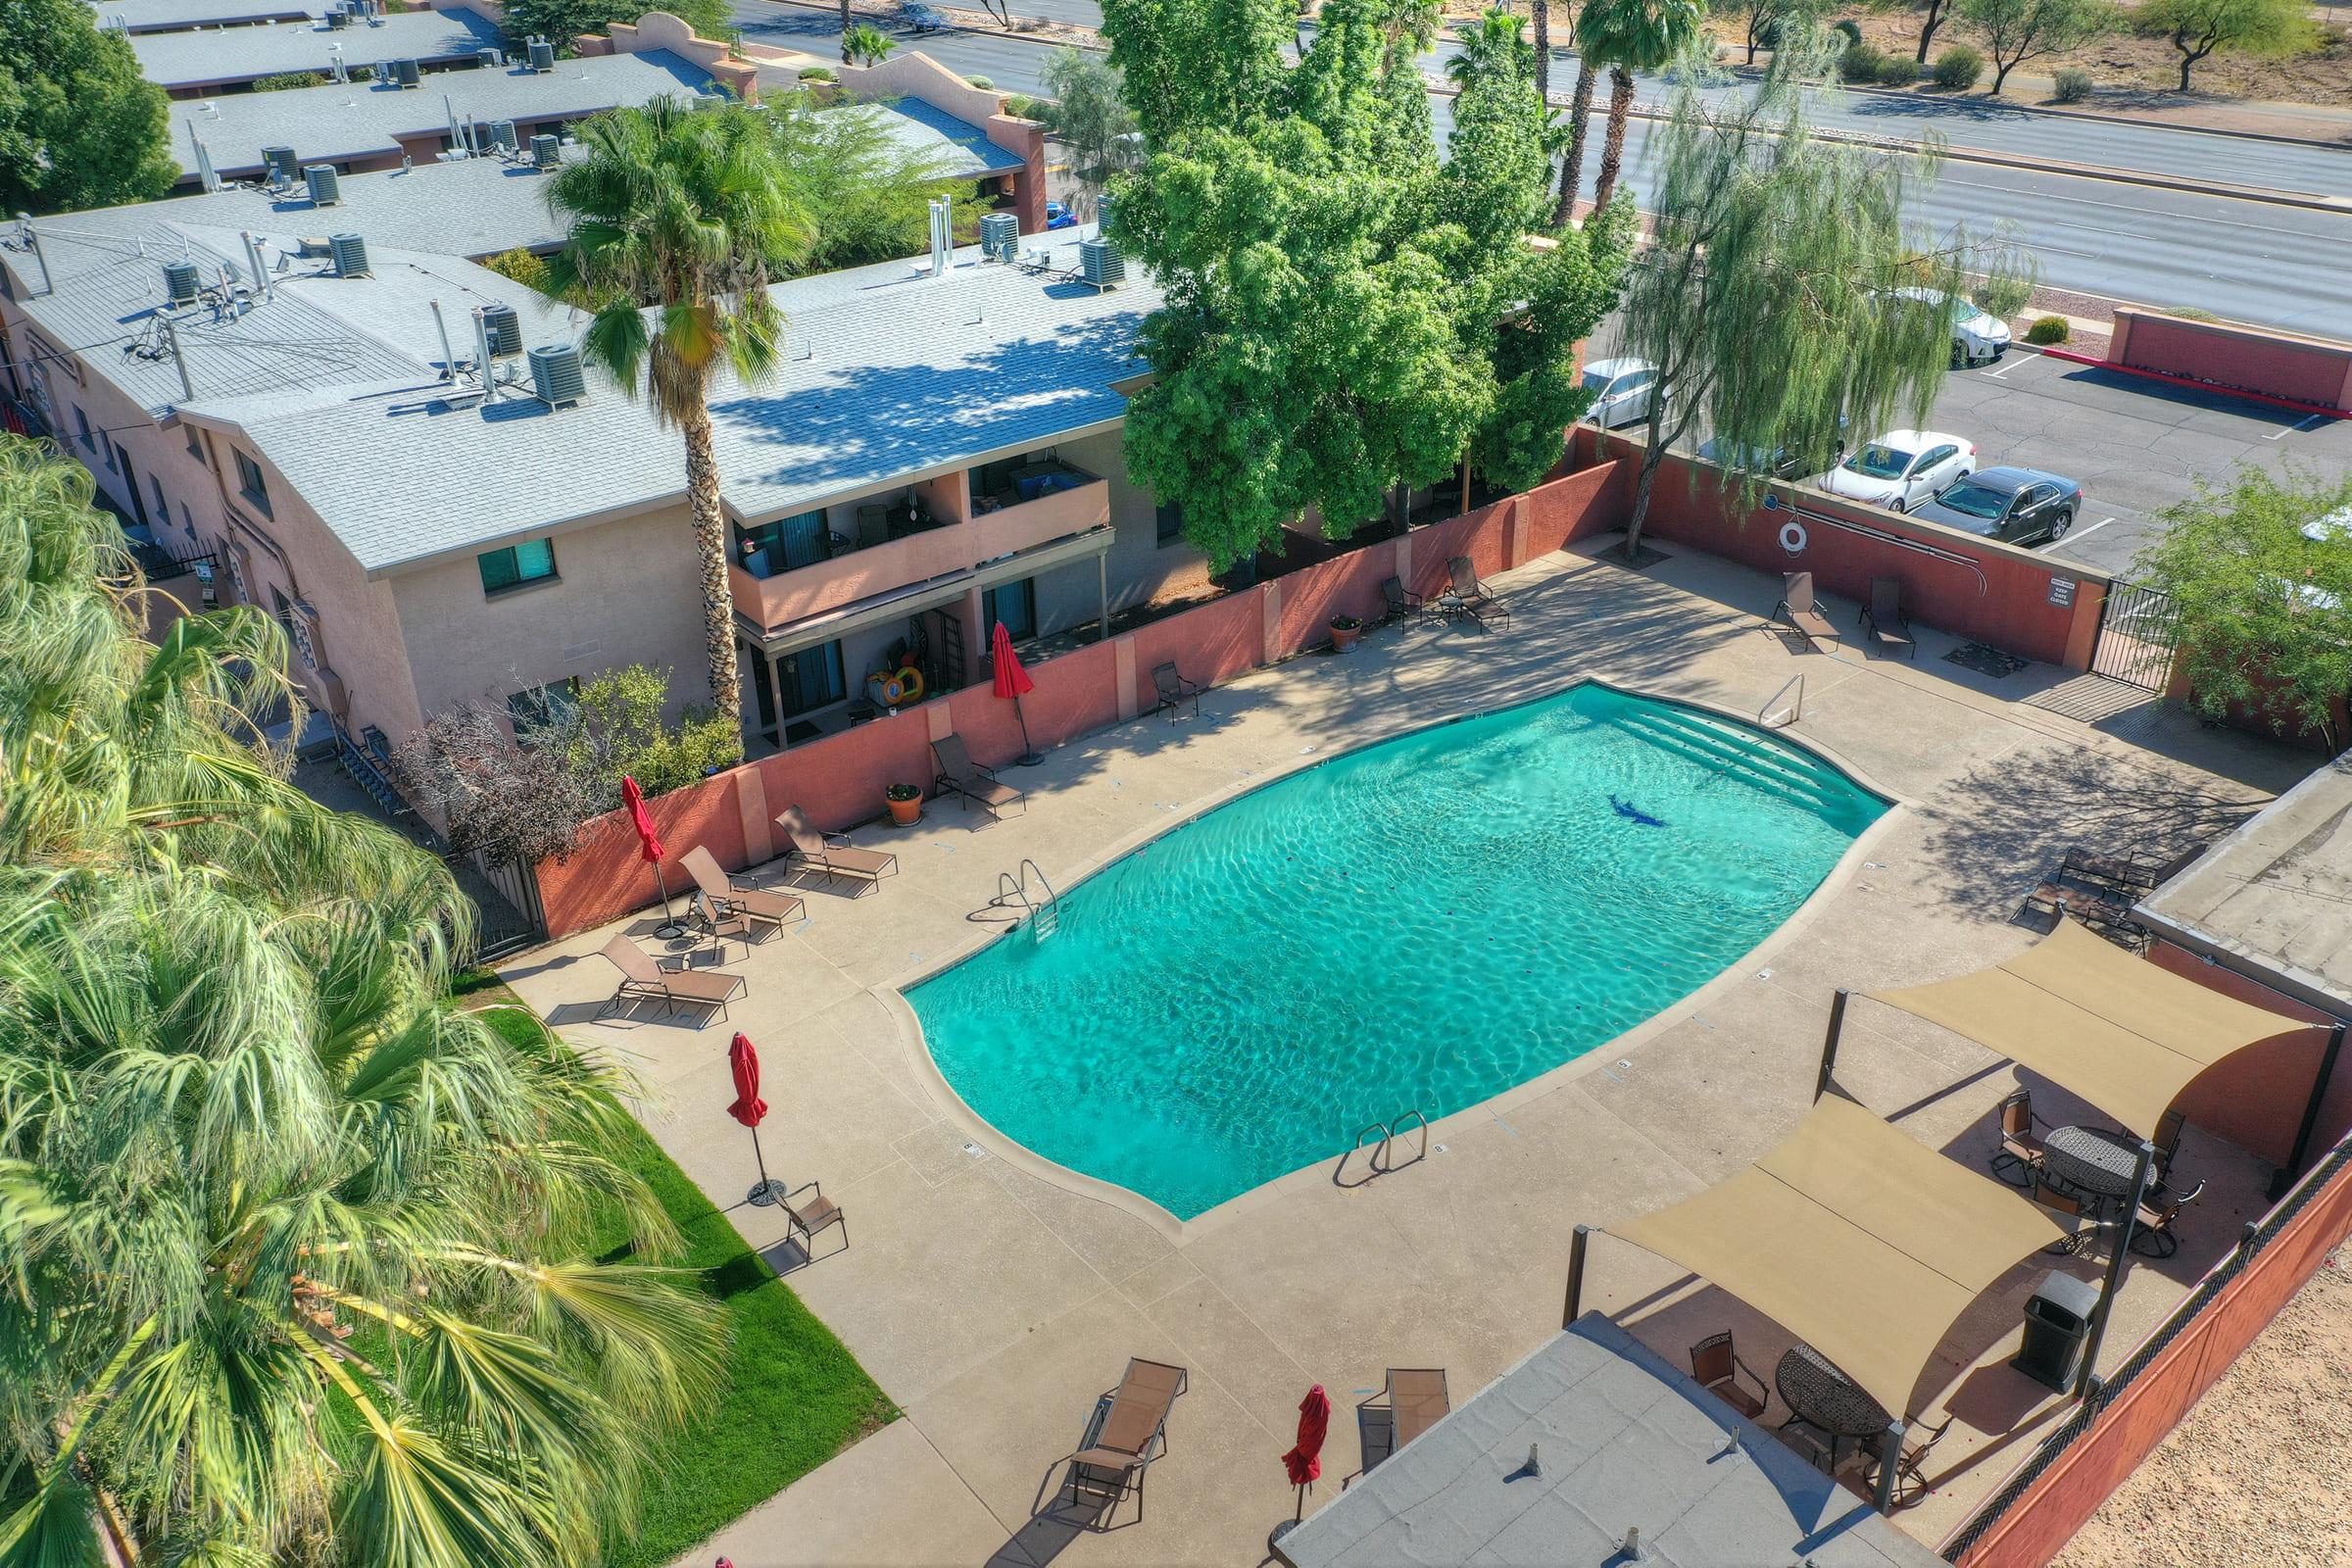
[1344,634]
[905,812]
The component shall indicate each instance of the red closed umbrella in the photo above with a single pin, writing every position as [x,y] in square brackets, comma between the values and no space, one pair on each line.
[749,1109]
[1010,681]
[1304,1462]
[649,845]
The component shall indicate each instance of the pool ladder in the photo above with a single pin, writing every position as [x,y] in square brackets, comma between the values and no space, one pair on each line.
[1012,892]
[1774,715]
[1382,1150]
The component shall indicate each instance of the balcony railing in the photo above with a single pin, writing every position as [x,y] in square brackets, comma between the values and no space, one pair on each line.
[918,558]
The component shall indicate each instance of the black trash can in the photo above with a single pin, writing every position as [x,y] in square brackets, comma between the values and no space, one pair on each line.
[2057,1325]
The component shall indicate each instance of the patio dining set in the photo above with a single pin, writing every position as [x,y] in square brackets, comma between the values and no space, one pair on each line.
[2086,1174]
[1832,1421]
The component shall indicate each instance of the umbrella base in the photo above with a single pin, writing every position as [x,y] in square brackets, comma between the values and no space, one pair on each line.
[767,1194]
[1028,759]
[670,930]
[1278,1532]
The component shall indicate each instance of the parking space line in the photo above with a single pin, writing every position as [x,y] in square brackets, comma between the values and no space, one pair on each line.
[2084,533]
[2293,429]
[2004,369]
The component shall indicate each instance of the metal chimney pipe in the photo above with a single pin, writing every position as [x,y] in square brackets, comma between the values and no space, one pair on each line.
[33,236]
[261,273]
[449,356]
[204,161]
[481,347]
[938,240]
[179,361]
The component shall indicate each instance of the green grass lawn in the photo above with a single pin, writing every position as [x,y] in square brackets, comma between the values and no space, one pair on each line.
[794,1396]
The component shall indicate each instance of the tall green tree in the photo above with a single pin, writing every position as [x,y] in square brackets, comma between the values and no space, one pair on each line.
[80,126]
[1578,123]
[1199,64]
[294,1255]
[677,221]
[1500,162]
[2018,31]
[1627,37]
[2260,573]
[1764,298]
[1760,21]
[2196,28]
[1091,121]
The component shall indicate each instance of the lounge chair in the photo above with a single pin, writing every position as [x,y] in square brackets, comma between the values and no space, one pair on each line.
[1474,595]
[1129,1430]
[2152,1234]
[831,854]
[1803,615]
[2096,907]
[2020,1145]
[1910,1471]
[1174,690]
[1404,604]
[727,899]
[806,1216]
[967,779]
[1885,617]
[1413,1399]
[1717,1367]
[665,980]
[2133,874]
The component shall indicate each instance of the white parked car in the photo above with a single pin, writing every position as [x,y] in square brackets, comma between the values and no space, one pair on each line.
[1901,468]
[1621,391]
[1977,336]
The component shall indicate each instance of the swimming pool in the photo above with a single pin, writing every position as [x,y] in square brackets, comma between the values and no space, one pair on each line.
[1425,922]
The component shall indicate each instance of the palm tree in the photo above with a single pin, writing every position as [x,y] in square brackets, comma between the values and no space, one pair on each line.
[1580,115]
[1629,35]
[1497,45]
[678,220]
[296,1256]
[866,44]
[1542,10]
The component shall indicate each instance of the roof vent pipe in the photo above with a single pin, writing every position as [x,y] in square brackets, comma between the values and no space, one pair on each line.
[32,237]
[941,233]
[449,356]
[204,161]
[253,259]
[482,351]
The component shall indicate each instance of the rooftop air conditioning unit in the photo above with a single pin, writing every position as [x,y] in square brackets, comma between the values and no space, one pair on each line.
[1099,263]
[337,17]
[503,330]
[999,236]
[502,134]
[281,165]
[490,59]
[327,190]
[542,54]
[546,151]
[350,254]
[181,282]
[556,374]
[405,73]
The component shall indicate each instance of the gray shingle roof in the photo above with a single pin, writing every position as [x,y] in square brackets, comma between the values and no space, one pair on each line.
[247,54]
[153,15]
[887,372]
[962,149]
[1622,1439]
[342,119]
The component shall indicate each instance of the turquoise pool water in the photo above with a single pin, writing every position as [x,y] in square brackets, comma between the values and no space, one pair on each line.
[1425,922]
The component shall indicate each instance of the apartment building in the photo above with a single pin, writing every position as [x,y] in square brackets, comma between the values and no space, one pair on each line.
[193,62]
[183,15]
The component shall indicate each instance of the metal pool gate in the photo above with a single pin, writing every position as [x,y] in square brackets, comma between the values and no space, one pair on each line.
[2139,629]
[507,897]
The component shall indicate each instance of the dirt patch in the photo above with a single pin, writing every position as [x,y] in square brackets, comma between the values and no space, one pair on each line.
[2253,1474]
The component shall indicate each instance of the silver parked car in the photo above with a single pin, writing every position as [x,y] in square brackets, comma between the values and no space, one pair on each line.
[1978,336]
[1901,468]
[1622,390]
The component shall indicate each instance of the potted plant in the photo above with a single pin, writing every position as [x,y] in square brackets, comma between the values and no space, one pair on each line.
[905,804]
[1345,630]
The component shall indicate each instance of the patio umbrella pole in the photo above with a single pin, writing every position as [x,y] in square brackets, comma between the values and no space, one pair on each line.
[1030,756]
[671,928]
[769,1192]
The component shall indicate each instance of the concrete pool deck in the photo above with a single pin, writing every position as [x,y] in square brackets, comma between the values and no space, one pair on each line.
[994,1298]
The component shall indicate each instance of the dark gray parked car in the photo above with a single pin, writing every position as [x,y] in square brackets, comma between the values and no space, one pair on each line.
[2016,505]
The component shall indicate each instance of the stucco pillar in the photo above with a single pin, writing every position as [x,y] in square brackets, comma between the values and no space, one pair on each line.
[1269,622]
[751,804]
[1515,549]
[1122,654]
[2118,337]
[1405,561]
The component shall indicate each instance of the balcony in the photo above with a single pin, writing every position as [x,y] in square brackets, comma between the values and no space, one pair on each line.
[1003,526]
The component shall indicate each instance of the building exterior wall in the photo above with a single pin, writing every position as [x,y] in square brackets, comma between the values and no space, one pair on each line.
[659,29]
[1142,570]
[624,592]
[2231,354]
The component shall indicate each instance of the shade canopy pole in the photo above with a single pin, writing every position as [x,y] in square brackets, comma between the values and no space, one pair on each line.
[2140,1174]
[2286,1175]
[1574,1305]
[1829,1044]
[1891,1462]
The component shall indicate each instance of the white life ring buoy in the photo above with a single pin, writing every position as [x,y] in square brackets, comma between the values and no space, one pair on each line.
[1793,537]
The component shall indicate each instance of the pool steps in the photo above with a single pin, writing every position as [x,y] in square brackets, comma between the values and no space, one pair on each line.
[1735,750]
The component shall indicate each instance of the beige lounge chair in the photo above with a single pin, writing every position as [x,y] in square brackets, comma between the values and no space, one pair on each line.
[1802,613]
[1413,1400]
[967,779]
[667,980]
[1885,618]
[1129,1431]
[1474,595]
[750,906]
[831,852]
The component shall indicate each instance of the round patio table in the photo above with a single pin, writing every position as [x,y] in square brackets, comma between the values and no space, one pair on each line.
[2091,1160]
[1818,1392]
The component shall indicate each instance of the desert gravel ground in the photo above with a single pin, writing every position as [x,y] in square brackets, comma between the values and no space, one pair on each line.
[2257,1471]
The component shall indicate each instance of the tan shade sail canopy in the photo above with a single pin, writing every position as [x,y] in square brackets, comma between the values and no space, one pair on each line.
[2119,1031]
[1862,1241]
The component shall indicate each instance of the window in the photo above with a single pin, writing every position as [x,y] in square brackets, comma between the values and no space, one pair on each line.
[783,545]
[163,508]
[1013,603]
[533,561]
[536,707]
[251,484]
[115,461]
[81,429]
[195,444]
[810,679]
[1170,518]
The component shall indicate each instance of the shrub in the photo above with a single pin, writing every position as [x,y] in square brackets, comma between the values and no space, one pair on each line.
[520,265]
[982,82]
[818,74]
[2073,85]
[2189,313]
[1896,72]
[2048,329]
[290,78]
[1849,30]
[619,730]
[1861,62]
[1958,67]
[1021,106]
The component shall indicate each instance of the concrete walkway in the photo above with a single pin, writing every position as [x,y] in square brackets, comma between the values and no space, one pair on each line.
[994,1300]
